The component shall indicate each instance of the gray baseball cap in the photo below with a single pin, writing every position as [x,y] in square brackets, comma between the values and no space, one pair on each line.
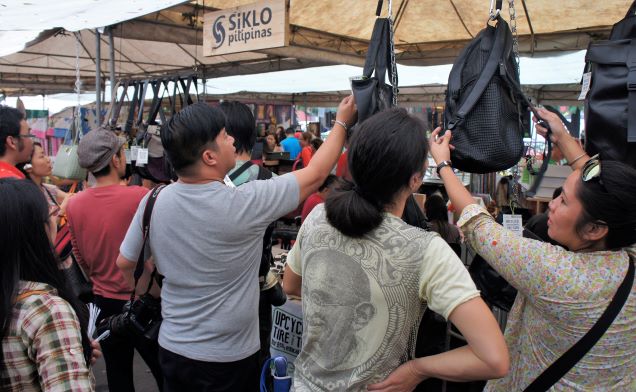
[97,147]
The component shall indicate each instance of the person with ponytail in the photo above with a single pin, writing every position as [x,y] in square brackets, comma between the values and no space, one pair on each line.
[42,325]
[563,293]
[365,276]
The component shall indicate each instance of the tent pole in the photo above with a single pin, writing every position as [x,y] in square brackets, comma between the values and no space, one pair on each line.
[98,76]
[111,63]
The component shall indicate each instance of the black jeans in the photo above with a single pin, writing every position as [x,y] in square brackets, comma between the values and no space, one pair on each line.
[119,351]
[185,374]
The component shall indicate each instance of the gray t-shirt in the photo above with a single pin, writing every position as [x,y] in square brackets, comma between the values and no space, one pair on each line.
[206,240]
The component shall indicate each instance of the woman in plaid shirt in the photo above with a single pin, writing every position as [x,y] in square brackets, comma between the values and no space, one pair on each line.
[42,326]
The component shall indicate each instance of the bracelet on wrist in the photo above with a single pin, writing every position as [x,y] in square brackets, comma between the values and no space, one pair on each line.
[342,124]
[576,159]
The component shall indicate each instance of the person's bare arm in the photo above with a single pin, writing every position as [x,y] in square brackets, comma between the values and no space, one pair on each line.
[127,268]
[311,177]
[485,356]
[292,282]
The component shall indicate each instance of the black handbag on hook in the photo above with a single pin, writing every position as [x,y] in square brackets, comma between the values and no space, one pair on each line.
[372,93]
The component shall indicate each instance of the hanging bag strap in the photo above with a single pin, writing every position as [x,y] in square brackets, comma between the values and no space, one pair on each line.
[571,357]
[118,104]
[142,101]
[139,268]
[496,54]
[131,108]
[111,106]
[374,47]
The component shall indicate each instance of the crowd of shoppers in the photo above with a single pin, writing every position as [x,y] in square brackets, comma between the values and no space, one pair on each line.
[364,275]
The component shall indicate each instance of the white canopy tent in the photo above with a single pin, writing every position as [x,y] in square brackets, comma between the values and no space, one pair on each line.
[162,37]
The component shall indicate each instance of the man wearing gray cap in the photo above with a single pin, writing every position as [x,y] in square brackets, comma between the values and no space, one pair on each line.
[98,219]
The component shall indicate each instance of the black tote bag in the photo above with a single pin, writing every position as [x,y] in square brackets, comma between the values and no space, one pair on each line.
[372,93]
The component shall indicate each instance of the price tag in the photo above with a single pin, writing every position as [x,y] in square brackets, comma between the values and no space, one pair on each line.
[513,223]
[585,86]
[229,182]
[127,153]
[133,153]
[142,156]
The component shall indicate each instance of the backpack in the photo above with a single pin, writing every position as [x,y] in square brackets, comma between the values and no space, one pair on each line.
[485,106]
[610,127]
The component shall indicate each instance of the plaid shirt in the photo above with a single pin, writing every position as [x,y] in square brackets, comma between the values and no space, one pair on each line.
[43,346]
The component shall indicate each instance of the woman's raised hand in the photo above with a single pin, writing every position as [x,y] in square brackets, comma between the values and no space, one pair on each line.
[556,125]
[347,111]
[440,145]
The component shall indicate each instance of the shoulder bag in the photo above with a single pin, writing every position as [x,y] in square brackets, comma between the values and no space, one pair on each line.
[66,163]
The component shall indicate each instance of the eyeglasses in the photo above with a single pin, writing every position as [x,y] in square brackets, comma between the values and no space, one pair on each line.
[28,136]
[592,170]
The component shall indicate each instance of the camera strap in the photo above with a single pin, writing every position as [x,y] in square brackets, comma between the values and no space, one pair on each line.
[139,268]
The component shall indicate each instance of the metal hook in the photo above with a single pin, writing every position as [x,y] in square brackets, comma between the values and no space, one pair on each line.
[494,11]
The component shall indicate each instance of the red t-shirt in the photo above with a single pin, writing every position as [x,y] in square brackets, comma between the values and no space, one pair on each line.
[313,200]
[342,168]
[98,220]
[10,171]
[306,155]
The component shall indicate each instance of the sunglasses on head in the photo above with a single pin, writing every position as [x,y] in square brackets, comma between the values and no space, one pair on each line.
[592,170]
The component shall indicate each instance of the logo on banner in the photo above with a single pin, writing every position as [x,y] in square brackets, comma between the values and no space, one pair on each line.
[218,31]
[242,27]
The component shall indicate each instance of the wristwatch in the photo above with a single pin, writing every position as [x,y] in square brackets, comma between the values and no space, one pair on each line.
[442,165]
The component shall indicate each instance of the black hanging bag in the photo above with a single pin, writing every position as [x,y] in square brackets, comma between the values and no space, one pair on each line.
[372,93]
[610,126]
[485,106]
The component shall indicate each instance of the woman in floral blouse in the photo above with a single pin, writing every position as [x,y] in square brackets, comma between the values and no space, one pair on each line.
[563,293]
[44,342]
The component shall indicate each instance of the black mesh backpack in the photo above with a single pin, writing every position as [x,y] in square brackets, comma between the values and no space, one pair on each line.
[485,107]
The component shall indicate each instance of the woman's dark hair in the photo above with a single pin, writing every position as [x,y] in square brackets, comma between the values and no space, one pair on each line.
[437,213]
[240,124]
[189,132]
[612,200]
[307,136]
[329,181]
[20,166]
[27,254]
[384,153]
[316,143]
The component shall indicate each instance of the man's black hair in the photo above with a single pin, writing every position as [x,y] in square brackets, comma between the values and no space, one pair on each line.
[240,124]
[189,132]
[10,119]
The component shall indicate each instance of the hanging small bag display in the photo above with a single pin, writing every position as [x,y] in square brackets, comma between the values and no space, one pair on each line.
[610,107]
[485,107]
[66,163]
[371,92]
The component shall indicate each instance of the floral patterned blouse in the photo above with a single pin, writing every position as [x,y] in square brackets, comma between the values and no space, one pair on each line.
[561,294]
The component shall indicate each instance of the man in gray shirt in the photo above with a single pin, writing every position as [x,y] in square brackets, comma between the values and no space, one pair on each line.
[206,240]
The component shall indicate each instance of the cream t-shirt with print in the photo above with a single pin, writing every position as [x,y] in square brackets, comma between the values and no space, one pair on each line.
[363,299]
